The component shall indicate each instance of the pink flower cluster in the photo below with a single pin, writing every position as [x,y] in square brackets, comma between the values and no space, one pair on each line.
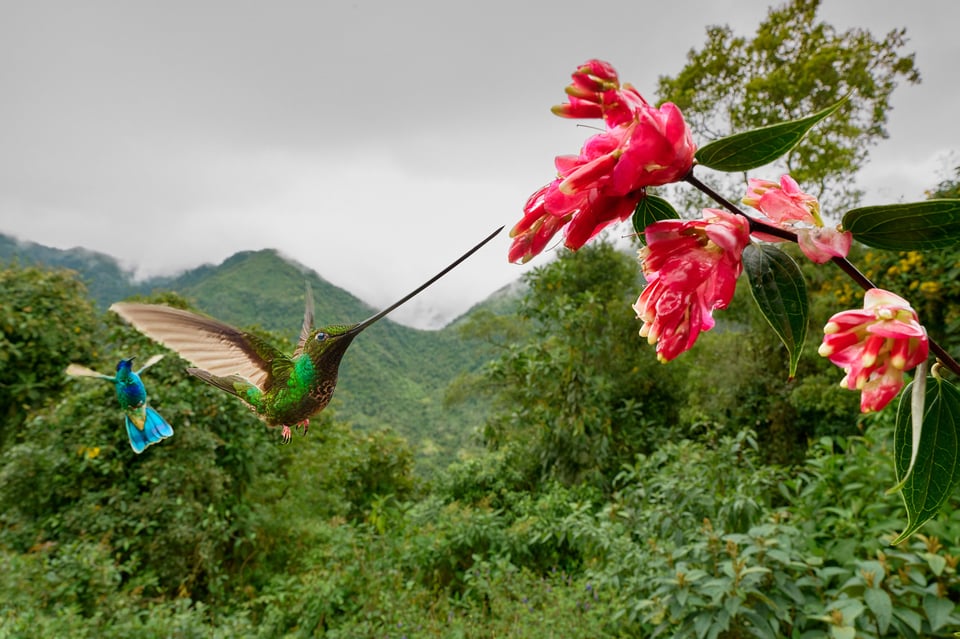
[675,306]
[642,146]
[874,346]
[691,266]
[790,208]
[691,269]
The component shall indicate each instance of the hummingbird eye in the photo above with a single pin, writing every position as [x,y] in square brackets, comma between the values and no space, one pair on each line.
[321,336]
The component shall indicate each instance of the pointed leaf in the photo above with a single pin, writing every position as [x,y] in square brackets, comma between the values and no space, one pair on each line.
[936,469]
[781,293]
[750,149]
[649,210]
[881,606]
[918,396]
[938,611]
[931,224]
[910,618]
[936,562]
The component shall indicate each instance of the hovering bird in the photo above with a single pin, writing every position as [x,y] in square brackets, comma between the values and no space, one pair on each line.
[283,390]
[144,425]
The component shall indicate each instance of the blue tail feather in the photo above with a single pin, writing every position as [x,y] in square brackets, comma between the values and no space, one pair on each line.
[155,429]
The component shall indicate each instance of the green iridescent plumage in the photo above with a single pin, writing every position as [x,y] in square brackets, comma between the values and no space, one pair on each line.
[283,390]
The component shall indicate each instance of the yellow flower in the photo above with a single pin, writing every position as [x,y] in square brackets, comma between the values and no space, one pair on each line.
[91,452]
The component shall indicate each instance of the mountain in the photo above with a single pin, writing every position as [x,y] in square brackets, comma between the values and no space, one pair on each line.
[106,281]
[392,375]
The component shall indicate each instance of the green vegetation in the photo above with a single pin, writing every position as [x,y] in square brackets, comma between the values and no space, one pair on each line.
[618,496]
[794,66]
[42,312]
[384,383]
[607,495]
[105,280]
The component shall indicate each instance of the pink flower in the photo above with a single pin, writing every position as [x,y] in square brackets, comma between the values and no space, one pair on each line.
[782,202]
[874,346]
[580,201]
[596,93]
[643,146]
[790,208]
[659,149]
[532,233]
[691,269]
[821,244]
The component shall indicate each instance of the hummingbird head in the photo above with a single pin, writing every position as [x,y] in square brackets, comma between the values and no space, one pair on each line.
[124,367]
[329,343]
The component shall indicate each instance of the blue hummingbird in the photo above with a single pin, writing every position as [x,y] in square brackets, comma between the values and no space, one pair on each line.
[144,425]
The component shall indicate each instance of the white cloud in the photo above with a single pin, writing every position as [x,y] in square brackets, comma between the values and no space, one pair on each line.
[372,142]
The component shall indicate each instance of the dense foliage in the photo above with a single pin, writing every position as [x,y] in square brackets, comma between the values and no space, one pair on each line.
[581,395]
[45,320]
[647,521]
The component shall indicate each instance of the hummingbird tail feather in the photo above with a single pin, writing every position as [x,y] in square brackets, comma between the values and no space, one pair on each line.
[155,429]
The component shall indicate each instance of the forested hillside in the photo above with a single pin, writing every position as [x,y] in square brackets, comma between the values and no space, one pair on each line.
[646,502]
[104,278]
[393,377]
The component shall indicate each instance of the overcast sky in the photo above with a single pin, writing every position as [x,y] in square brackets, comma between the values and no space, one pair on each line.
[371,141]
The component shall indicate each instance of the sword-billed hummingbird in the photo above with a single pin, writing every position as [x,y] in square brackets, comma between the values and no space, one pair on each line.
[283,390]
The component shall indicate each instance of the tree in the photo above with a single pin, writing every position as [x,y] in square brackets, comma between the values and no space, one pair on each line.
[46,321]
[580,394]
[737,379]
[796,65]
[175,520]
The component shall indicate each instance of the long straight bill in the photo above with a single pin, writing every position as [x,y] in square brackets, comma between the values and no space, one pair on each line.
[367,322]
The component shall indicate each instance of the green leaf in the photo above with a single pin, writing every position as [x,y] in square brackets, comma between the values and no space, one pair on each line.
[781,293]
[913,620]
[750,149]
[938,611]
[936,562]
[918,397]
[850,609]
[931,224]
[936,467]
[701,624]
[649,210]
[843,632]
[881,606]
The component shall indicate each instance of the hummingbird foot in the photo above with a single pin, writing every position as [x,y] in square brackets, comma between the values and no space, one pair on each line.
[304,425]
[285,434]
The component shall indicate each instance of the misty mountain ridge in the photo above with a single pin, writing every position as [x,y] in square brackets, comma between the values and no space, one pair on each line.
[109,281]
[393,376]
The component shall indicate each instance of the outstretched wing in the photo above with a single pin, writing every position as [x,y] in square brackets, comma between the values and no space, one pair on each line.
[307,327]
[76,370]
[218,348]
